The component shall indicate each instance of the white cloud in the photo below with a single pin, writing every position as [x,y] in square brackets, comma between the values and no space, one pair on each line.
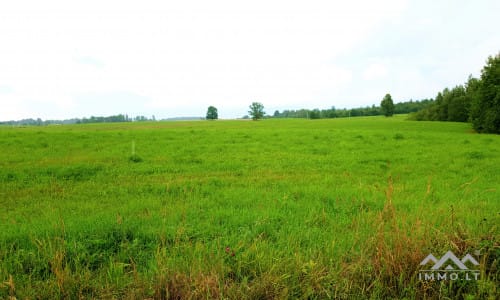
[89,61]
[5,89]
[177,57]
[375,71]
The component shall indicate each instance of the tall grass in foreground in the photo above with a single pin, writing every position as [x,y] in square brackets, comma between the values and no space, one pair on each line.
[277,209]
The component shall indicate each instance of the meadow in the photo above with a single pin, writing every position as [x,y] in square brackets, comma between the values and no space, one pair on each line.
[272,209]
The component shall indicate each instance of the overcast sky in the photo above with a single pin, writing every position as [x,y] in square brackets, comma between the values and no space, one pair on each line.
[63,59]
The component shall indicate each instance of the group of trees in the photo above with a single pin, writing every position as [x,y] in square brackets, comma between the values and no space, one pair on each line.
[398,108]
[109,119]
[485,106]
[116,118]
[38,122]
[256,111]
[387,108]
[449,105]
[92,119]
[477,101]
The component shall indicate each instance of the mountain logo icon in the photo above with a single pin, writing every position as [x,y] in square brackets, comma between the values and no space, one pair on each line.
[449,261]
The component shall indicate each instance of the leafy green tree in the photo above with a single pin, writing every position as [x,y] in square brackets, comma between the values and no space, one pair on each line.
[450,105]
[458,105]
[387,105]
[212,113]
[441,106]
[485,108]
[458,109]
[256,111]
[471,92]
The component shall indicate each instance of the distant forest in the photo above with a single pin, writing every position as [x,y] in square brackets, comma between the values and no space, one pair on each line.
[399,108]
[109,119]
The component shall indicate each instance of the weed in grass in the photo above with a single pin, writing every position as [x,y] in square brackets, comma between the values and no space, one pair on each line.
[399,136]
[475,155]
[135,158]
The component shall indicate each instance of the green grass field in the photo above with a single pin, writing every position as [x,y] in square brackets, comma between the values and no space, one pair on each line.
[279,208]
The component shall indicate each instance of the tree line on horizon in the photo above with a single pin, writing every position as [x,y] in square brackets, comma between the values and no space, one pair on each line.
[92,119]
[477,102]
[399,108]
